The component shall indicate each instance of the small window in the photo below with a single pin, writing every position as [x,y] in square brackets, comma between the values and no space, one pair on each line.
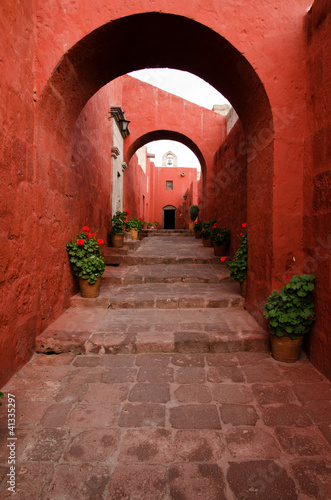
[169,185]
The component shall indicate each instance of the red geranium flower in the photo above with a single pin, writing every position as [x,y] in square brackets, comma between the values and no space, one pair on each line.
[127,212]
[80,242]
[223,259]
[310,317]
[203,229]
[287,276]
[93,234]
[85,228]
[89,235]
[241,234]
[100,241]
[244,224]
[218,234]
[140,218]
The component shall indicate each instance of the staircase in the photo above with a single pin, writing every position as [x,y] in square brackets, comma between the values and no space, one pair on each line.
[170,295]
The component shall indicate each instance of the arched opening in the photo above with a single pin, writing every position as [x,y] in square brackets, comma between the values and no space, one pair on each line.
[98,59]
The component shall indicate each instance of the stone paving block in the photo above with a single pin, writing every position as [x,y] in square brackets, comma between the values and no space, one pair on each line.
[55,415]
[187,360]
[312,391]
[313,476]
[152,360]
[195,417]
[45,445]
[261,373]
[266,394]
[39,390]
[111,343]
[192,342]
[106,393]
[249,358]
[252,443]
[304,372]
[150,393]
[193,481]
[138,482]
[31,479]
[190,375]
[95,445]
[92,416]
[193,393]
[199,445]
[147,342]
[225,374]
[302,441]
[260,479]
[62,342]
[84,375]
[71,393]
[285,414]
[51,359]
[86,361]
[319,411]
[45,373]
[222,360]
[142,415]
[232,393]
[120,360]
[155,374]
[27,412]
[118,376]
[238,414]
[147,445]
[78,482]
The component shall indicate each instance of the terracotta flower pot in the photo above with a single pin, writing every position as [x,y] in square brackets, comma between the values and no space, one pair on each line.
[87,290]
[243,288]
[285,349]
[219,249]
[117,240]
[207,242]
[134,234]
[191,225]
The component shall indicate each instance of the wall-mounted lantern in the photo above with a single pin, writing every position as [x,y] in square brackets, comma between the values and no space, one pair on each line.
[123,124]
[185,196]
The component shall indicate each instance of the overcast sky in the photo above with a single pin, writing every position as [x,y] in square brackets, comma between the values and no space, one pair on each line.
[189,87]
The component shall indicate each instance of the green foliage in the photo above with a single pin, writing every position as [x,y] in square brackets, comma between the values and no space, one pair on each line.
[220,235]
[198,226]
[133,223]
[194,212]
[1,396]
[118,222]
[291,311]
[237,267]
[85,256]
[149,224]
[155,223]
[207,227]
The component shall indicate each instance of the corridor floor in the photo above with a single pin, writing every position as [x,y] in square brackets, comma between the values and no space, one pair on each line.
[177,420]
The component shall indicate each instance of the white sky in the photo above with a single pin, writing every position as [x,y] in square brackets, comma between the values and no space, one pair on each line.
[189,87]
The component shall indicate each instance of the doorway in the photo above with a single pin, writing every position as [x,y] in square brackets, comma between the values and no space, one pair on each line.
[169,217]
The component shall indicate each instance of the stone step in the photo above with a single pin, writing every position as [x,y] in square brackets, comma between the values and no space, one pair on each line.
[107,331]
[114,256]
[166,232]
[172,273]
[164,296]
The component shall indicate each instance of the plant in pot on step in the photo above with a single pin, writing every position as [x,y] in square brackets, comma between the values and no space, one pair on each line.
[291,315]
[206,232]
[220,236]
[237,267]
[117,230]
[194,212]
[134,226]
[197,229]
[86,261]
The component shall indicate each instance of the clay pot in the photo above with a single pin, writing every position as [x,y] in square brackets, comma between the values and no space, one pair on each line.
[243,287]
[117,240]
[207,242]
[87,290]
[191,225]
[285,349]
[219,249]
[134,234]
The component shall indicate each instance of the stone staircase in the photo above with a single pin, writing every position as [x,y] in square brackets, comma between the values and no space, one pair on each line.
[170,295]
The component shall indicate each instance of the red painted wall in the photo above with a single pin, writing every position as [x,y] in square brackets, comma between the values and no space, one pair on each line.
[317,180]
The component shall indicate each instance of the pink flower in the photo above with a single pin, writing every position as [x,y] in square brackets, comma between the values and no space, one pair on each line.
[223,259]
[80,242]
[100,241]
[85,228]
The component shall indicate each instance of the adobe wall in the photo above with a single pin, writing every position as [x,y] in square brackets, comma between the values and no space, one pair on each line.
[317,181]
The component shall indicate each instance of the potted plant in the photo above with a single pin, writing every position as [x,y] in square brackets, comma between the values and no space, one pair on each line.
[1,396]
[237,267]
[86,261]
[291,315]
[197,229]
[155,224]
[134,225]
[206,232]
[117,230]
[220,236]
[149,225]
[194,212]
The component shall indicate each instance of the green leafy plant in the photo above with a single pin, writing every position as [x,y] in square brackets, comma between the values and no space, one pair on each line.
[207,227]
[198,226]
[194,212]
[118,221]
[155,223]
[291,310]
[220,235]
[149,224]
[134,223]
[85,256]
[1,396]
[237,267]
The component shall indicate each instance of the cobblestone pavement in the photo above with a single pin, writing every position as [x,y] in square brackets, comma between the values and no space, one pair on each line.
[155,398]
